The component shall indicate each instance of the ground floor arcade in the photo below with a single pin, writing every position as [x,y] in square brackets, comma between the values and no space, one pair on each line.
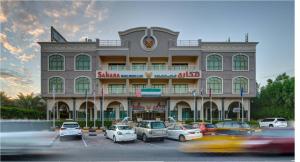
[180,109]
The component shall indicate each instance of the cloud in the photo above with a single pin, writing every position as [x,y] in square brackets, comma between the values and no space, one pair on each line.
[36,32]
[15,77]
[12,49]
[26,57]
[71,28]
[2,58]
[17,52]
[92,11]
[3,17]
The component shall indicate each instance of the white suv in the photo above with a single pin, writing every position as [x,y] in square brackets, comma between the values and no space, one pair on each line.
[70,129]
[273,122]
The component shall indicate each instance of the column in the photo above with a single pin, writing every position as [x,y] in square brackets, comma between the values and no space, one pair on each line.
[48,113]
[167,109]
[223,107]
[74,109]
[169,86]
[179,113]
[117,113]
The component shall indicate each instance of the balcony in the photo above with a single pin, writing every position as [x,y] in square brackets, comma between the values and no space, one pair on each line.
[133,92]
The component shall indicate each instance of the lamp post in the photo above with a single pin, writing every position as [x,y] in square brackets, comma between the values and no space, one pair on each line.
[195,111]
[85,107]
[54,107]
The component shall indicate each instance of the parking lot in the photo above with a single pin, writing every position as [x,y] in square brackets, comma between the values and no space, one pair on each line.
[98,148]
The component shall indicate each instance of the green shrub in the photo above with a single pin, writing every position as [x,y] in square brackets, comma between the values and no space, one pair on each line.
[9,112]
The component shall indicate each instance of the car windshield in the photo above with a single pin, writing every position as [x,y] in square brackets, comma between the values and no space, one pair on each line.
[124,127]
[70,125]
[281,120]
[188,127]
[157,125]
[210,126]
[245,125]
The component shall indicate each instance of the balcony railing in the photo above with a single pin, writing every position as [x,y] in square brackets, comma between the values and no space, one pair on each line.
[111,43]
[134,91]
[187,43]
[147,68]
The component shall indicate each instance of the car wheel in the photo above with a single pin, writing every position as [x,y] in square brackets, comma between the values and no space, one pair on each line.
[162,139]
[145,139]
[271,126]
[79,137]
[105,135]
[114,139]
[182,138]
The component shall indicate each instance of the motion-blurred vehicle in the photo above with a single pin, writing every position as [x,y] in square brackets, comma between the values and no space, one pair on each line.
[183,132]
[276,140]
[70,129]
[120,133]
[273,122]
[151,129]
[206,128]
[233,128]
[19,137]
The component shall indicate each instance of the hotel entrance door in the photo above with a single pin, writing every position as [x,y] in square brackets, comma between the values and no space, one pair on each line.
[148,116]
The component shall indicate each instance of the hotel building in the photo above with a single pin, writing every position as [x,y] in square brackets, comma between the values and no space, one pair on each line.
[147,74]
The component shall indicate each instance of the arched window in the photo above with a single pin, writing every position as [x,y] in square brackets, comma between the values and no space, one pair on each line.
[240,62]
[238,83]
[83,62]
[214,62]
[215,84]
[56,84]
[56,62]
[82,84]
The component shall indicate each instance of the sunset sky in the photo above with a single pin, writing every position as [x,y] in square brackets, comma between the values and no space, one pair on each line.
[23,24]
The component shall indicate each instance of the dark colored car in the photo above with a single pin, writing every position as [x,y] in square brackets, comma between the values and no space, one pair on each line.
[277,141]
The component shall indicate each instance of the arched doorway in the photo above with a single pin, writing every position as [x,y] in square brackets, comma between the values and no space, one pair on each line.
[235,115]
[115,111]
[207,113]
[184,111]
[90,111]
[62,110]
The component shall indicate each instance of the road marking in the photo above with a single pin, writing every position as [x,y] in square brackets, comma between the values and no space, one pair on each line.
[84,142]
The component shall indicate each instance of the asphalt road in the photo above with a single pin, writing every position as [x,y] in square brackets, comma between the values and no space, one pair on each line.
[97,148]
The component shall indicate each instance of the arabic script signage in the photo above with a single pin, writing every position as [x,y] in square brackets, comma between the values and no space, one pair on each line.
[102,74]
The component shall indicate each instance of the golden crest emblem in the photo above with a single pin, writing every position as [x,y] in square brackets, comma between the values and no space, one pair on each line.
[148,74]
[149,41]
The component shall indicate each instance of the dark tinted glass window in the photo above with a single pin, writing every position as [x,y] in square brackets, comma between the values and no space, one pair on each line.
[281,120]
[157,125]
[70,125]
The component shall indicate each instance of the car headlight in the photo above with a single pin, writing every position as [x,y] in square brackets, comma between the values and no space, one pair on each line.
[119,133]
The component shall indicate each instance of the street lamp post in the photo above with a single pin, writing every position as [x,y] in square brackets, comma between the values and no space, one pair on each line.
[85,107]
[195,111]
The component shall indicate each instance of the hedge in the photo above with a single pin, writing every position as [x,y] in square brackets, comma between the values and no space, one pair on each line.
[8,112]
[81,123]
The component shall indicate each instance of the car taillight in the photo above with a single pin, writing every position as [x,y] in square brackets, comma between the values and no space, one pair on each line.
[119,133]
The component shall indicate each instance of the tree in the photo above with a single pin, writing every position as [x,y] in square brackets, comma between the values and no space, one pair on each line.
[5,100]
[276,99]
[29,101]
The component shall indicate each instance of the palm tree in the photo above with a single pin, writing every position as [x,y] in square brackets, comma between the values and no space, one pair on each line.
[29,101]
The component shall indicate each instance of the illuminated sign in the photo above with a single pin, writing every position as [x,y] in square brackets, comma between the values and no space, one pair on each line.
[102,74]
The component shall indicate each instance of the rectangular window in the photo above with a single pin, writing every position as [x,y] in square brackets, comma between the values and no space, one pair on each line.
[180,88]
[116,67]
[158,66]
[135,87]
[116,88]
[138,66]
[180,66]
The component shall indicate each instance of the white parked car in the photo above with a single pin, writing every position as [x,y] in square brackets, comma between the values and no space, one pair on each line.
[70,129]
[120,133]
[273,122]
[183,132]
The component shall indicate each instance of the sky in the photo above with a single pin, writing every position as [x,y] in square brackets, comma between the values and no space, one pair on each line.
[24,23]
